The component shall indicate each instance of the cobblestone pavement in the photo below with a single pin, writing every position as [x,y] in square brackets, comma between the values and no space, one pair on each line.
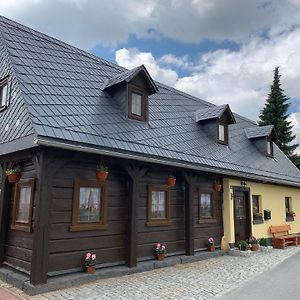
[207,279]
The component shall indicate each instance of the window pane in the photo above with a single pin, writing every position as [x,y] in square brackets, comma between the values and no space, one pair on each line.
[89,204]
[205,206]
[136,104]
[158,208]
[287,204]
[3,95]
[24,205]
[221,132]
[269,148]
[255,205]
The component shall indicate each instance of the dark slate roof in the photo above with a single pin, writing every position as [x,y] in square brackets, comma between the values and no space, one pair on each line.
[259,131]
[57,97]
[127,76]
[214,112]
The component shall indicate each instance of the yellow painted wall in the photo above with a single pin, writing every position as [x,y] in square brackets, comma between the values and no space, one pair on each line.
[272,198]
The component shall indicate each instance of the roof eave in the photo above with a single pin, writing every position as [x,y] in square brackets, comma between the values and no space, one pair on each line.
[49,142]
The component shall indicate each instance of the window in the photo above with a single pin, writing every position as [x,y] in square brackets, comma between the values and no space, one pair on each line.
[158,205]
[223,132]
[289,214]
[256,209]
[3,94]
[23,203]
[206,212]
[269,147]
[89,206]
[137,102]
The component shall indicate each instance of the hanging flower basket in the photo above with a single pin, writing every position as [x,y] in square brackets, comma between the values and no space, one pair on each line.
[13,174]
[217,186]
[171,181]
[101,173]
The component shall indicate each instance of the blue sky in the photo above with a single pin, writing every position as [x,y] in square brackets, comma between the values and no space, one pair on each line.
[223,51]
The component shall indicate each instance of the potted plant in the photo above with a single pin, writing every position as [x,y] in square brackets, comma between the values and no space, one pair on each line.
[243,245]
[13,174]
[171,181]
[254,242]
[90,262]
[211,244]
[263,242]
[102,172]
[217,186]
[160,251]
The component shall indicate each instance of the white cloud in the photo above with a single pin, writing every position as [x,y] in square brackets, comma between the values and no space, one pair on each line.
[241,78]
[130,58]
[87,23]
[295,119]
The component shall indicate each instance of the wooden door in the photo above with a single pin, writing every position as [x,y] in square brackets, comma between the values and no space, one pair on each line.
[241,215]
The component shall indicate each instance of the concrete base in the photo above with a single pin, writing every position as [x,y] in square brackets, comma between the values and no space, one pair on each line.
[21,281]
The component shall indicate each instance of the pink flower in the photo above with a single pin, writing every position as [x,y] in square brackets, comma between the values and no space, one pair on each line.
[163,247]
[88,255]
[157,245]
[93,256]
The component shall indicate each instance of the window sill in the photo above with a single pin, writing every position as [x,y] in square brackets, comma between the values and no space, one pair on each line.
[289,219]
[207,221]
[87,227]
[25,228]
[158,223]
[261,221]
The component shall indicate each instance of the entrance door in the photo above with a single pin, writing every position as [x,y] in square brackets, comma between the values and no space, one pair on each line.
[241,215]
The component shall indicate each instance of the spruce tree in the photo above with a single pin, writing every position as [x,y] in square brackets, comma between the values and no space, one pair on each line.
[275,112]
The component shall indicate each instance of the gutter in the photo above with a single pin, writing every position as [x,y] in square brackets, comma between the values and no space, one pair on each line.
[149,159]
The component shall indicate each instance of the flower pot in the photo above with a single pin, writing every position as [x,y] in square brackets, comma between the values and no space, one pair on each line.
[217,187]
[171,181]
[101,175]
[13,178]
[90,269]
[212,248]
[160,256]
[255,247]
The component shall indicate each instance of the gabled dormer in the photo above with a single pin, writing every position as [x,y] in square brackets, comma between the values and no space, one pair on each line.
[262,137]
[215,121]
[130,89]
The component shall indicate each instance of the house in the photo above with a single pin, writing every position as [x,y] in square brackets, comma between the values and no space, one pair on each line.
[63,111]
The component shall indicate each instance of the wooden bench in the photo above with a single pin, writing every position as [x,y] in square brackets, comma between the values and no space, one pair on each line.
[281,236]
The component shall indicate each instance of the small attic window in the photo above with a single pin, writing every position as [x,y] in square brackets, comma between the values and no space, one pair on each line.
[3,94]
[137,103]
[270,147]
[223,132]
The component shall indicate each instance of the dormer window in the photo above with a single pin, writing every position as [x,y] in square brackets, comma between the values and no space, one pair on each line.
[262,138]
[130,90]
[3,94]
[215,121]
[137,100]
[223,132]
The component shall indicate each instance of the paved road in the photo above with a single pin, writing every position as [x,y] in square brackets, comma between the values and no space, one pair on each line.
[280,283]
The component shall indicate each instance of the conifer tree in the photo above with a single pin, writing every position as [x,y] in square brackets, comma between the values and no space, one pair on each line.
[275,112]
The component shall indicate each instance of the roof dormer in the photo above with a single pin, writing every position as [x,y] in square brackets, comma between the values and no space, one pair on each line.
[262,137]
[131,89]
[215,121]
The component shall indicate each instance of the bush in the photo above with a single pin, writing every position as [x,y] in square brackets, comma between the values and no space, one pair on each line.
[264,242]
[243,245]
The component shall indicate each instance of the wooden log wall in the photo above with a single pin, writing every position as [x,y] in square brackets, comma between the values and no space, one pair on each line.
[18,244]
[67,249]
[171,235]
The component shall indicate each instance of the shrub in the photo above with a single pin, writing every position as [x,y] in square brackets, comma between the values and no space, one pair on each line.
[243,245]
[264,242]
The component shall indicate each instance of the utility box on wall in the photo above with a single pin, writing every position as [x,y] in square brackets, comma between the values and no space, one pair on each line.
[267,214]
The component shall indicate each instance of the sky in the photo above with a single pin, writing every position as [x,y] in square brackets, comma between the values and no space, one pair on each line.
[223,51]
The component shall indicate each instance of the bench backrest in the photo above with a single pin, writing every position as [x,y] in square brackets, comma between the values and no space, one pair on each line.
[280,229]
